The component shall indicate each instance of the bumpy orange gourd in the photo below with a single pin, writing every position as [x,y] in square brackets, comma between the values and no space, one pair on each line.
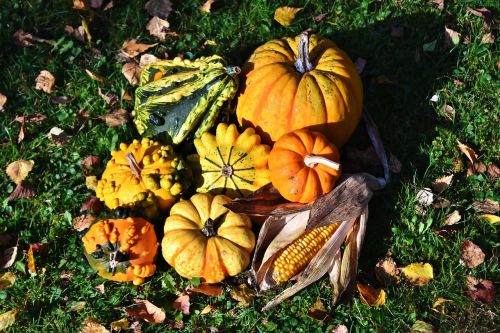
[206,240]
[122,249]
[302,82]
[303,165]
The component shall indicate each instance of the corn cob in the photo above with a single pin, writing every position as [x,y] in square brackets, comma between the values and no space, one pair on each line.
[296,255]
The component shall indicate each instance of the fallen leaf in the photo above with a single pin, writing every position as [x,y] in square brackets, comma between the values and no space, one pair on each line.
[397,31]
[19,170]
[109,98]
[360,65]
[136,327]
[121,324]
[486,206]
[3,100]
[100,288]
[480,290]
[442,183]
[285,15]
[147,59]
[91,325]
[182,304]
[7,280]
[77,306]
[94,76]
[86,29]
[39,247]
[340,329]
[493,171]
[452,218]
[419,274]
[91,182]
[31,260]
[471,255]
[446,231]
[81,118]
[207,289]
[91,162]
[92,203]
[490,218]
[95,3]
[23,190]
[22,134]
[422,327]
[45,81]
[207,6]
[438,3]
[109,5]
[125,95]
[488,38]
[242,294]
[475,168]
[319,17]
[480,12]
[448,112]
[425,197]
[66,274]
[469,152]
[30,119]
[160,8]
[158,28]
[369,295]
[25,39]
[434,98]
[8,257]
[438,305]
[147,311]
[207,309]
[63,100]
[7,319]
[458,83]
[442,203]
[386,272]
[78,33]
[131,48]
[210,42]
[115,118]
[58,136]
[83,222]
[318,311]
[79,4]
[132,72]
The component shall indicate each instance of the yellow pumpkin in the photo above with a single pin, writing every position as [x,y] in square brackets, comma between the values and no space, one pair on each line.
[122,249]
[204,239]
[302,82]
[232,163]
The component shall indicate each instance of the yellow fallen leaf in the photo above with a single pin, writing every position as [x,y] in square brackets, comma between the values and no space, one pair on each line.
[31,260]
[121,324]
[438,305]
[493,219]
[419,273]
[91,182]
[19,170]
[94,76]
[91,325]
[7,319]
[207,6]
[3,100]
[207,309]
[86,29]
[422,327]
[242,294]
[45,81]
[7,280]
[285,15]
[371,296]
[77,306]
[469,152]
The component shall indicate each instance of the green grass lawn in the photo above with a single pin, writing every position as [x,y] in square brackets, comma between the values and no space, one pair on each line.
[401,75]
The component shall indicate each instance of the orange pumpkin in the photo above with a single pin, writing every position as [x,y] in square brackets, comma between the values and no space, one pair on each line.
[122,249]
[303,165]
[300,82]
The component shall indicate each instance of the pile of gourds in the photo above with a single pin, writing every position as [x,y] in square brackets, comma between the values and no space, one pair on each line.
[298,100]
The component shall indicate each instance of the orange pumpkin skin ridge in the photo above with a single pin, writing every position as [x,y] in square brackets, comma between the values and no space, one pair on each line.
[291,176]
[276,98]
[136,238]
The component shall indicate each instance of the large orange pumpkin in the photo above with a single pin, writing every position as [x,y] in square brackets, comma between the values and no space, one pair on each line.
[303,165]
[122,249]
[302,82]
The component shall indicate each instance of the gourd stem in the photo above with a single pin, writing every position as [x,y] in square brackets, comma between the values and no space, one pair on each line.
[303,63]
[233,70]
[136,169]
[311,161]
[210,228]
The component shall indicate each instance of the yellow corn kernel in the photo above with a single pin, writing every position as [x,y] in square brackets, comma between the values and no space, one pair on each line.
[297,255]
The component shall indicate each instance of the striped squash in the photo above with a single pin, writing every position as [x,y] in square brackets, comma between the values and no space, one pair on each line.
[183,97]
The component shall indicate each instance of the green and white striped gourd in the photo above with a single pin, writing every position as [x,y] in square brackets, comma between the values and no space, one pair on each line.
[182,97]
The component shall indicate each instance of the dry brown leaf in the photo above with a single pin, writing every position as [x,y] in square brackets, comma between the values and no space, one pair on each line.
[92,203]
[91,325]
[147,59]
[8,257]
[23,190]
[91,162]
[452,218]
[448,112]
[109,5]
[136,327]
[488,38]
[425,197]
[481,290]
[121,324]
[207,6]
[3,100]
[78,33]
[132,72]
[469,152]
[319,17]
[446,231]
[486,206]
[318,311]
[66,274]
[25,39]
[207,289]
[242,294]
[81,118]
[438,3]
[45,81]
[442,183]
[58,136]
[7,319]
[419,274]
[100,288]
[160,8]
[480,12]
[94,76]
[131,48]
[147,311]
[63,100]
[285,15]
[158,28]
[438,305]
[360,65]
[490,218]
[340,329]
[91,182]
[442,203]
[83,222]
[422,327]
[109,98]
[369,295]
[79,4]
[39,247]
[182,304]
[476,168]
[31,260]
[116,118]
[471,255]
[30,119]
[387,272]
[18,170]
[493,171]
[7,280]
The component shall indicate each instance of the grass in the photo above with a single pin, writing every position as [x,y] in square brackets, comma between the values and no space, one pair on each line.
[413,129]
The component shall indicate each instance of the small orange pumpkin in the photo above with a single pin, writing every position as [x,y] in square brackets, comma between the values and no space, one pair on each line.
[304,165]
[122,249]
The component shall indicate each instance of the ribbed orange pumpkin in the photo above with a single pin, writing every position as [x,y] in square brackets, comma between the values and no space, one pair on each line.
[303,165]
[300,82]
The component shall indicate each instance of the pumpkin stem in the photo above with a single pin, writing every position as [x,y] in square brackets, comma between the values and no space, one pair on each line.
[303,63]
[211,227]
[311,161]
[136,169]
[233,70]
